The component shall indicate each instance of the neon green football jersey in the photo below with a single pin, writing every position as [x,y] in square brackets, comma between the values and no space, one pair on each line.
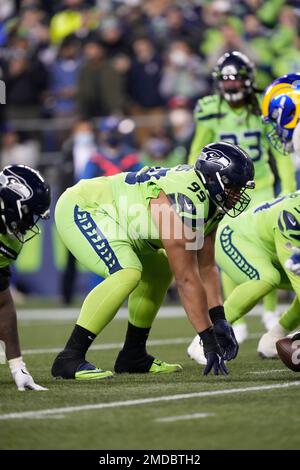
[10,248]
[217,121]
[263,222]
[125,197]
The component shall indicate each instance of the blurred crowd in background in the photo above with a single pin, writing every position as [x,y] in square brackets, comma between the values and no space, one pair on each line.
[68,65]
[95,87]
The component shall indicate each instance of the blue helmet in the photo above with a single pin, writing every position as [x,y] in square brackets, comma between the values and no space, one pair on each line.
[24,199]
[226,171]
[281,108]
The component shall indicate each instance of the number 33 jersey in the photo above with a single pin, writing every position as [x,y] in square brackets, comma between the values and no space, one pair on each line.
[216,121]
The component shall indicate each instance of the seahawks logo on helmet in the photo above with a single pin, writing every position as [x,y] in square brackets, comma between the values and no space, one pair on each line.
[218,157]
[289,225]
[17,184]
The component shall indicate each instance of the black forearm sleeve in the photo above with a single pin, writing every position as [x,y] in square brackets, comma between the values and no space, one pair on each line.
[4,278]
[217,313]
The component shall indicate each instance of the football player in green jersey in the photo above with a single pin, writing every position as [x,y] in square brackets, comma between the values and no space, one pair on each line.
[234,115]
[259,252]
[137,230]
[24,198]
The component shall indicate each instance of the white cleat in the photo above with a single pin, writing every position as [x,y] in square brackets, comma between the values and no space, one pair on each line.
[267,344]
[270,319]
[241,332]
[195,351]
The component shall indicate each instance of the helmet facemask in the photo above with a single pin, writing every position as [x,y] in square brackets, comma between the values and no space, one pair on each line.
[236,69]
[230,198]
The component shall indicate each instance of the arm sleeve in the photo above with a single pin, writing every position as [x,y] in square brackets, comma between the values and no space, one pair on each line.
[4,278]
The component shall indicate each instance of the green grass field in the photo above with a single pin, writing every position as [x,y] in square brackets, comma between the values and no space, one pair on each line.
[121,413]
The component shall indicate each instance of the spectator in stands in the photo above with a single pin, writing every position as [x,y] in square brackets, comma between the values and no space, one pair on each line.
[15,151]
[75,16]
[289,60]
[181,126]
[100,86]
[143,85]
[157,151]
[32,24]
[26,81]
[63,78]
[114,155]
[181,27]
[184,74]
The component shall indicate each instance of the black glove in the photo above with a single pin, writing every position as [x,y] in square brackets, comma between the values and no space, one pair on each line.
[212,352]
[224,333]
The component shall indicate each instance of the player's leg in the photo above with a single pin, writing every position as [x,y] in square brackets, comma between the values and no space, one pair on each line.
[289,320]
[143,305]
[270,316]
[249,266]
[240,326]
[81,233]
[270,301]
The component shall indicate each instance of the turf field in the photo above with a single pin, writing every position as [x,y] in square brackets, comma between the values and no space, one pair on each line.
[256,407]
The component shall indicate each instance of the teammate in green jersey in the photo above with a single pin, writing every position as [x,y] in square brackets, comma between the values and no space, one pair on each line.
[24,198]
[257,251]
[234,115]
[137,230]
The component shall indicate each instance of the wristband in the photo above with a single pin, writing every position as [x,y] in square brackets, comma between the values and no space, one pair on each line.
[217,313]
[16,363]
[209,339]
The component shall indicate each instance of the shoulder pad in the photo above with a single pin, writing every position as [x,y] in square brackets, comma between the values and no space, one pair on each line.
[208,108]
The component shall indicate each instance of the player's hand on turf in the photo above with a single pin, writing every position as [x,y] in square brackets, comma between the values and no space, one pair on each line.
[213,353]
[226,339]
[293,262]
[24,380]
[216,363]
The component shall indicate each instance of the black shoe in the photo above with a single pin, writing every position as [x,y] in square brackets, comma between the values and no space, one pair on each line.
[133,364]
[66,364]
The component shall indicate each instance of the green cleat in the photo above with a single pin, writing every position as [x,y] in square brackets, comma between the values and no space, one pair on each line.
[88,371]
[160,367]
[93,374]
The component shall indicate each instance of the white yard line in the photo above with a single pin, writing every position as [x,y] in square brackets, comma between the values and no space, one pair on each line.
[108,346]
[172,419]
[268,371]
[143,401]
